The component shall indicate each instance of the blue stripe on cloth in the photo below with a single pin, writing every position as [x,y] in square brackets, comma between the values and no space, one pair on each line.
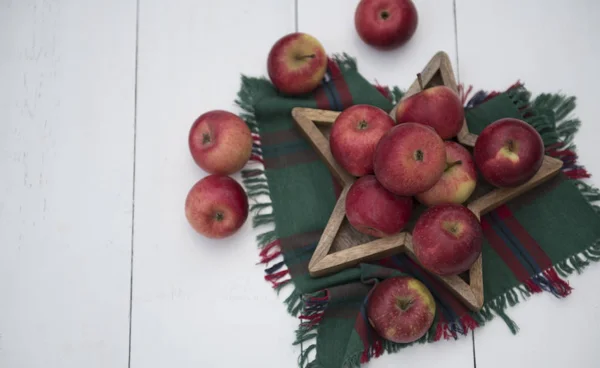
[329,91]
[522,254]
[330,86]
[336,96]
[514,244]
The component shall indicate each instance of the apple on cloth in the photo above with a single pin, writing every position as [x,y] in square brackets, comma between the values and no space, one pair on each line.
[401,309]
[509,152]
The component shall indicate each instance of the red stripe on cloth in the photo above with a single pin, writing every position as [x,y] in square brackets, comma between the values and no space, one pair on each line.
[441,291]
[363,329]
[334,69]
[343,91]
[256,157]
[577,174]
[530,244]
[322,100]
[504,251]
[384,91]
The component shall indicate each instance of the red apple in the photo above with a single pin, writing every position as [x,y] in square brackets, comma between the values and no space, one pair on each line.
[409,159]
[438,107]
[220,142]
[216,206]
[386,24]
[509,152]
[447,239]
[373,210]
[458,180]
[401,309]
[354,136]
[297,63]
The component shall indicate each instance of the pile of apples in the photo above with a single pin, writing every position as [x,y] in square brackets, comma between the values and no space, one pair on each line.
[412,157]
[396,160]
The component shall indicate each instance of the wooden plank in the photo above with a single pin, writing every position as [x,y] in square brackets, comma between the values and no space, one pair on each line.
[199,302]
[397,67]
[500,42]
[66,155]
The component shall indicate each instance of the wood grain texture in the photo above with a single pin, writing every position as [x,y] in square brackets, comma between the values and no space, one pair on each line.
[67,72]
[550,167]
[199,302]
[318,140]
[350,257]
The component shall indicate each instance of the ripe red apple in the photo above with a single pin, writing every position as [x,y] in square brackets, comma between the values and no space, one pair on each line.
[401,309]
[373,210]
[297,63]
[458,180]
[354,136]
[447,239]
[386,24]
[216,206]
[509,152]
[409,159]
[220,142]
[438,107]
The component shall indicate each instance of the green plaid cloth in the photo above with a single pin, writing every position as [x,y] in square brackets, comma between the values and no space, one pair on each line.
[532,243]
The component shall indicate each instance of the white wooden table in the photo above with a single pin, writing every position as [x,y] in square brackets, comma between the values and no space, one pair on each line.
[98,267]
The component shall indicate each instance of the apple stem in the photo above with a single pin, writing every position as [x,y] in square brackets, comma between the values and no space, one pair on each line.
[404,304]
[219,216]
[302,57]
[205,138]
[420,80]
[452,164]
[511,145]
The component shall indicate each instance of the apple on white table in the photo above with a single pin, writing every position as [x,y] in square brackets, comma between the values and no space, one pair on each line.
[220,142]
[216,206]
[386,24]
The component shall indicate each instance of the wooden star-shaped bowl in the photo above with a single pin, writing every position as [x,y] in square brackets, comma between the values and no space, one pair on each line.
[341,246]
